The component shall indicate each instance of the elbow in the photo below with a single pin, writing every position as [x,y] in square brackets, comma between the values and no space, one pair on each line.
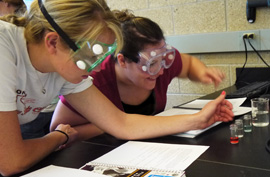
[7,173]
[53,126]
[11,170]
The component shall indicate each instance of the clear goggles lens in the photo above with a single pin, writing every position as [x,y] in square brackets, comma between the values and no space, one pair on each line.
[152,61]
[92,54]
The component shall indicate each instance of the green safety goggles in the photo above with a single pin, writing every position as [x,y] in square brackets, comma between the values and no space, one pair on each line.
[86,55]
[91,54]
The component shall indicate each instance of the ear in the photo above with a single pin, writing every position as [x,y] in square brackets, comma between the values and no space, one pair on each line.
[121,60]
[51,41]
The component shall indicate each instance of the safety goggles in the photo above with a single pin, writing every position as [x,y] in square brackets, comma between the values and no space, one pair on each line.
[91,54]
[153,60]
[86,55]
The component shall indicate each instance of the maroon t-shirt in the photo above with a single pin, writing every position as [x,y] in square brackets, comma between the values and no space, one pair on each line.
[105,81]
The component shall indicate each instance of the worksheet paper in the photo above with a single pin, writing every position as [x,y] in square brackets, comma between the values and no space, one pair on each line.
[236,102]
[152,156]
[195,106]
[56,171]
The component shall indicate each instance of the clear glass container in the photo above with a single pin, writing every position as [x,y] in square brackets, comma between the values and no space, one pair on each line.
[240,128]
[234,137]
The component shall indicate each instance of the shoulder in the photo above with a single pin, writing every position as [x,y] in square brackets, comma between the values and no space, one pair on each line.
[108,63]
[11,35]
[177,64]
[10,29]
[106,73]
[177,55]
[5,25]
[12,43]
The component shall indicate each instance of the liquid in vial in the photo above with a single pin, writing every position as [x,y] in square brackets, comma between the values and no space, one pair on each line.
[247,123]
[234,140]
[240,129]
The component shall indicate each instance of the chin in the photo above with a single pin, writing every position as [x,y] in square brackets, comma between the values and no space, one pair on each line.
[75,81]
[151,83]
[149,86]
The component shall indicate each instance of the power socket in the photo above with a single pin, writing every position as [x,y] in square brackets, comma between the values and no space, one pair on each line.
[248,35]
[254,37]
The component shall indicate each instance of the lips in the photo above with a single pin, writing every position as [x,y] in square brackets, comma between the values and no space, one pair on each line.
[151,78]
[85,76]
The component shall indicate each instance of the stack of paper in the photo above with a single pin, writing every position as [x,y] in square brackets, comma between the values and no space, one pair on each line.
[56,171]
[147,159]
[195,106]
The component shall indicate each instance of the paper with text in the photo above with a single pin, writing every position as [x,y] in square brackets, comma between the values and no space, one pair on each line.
[152,156]
[236,102]
[198,104]
[56,171]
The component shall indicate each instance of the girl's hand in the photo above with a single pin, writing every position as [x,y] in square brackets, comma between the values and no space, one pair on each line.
[216,110]
[71,133]
[212,75]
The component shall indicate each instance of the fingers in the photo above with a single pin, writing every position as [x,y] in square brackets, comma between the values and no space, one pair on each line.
[221,98]
[65,128]
[224,109]
[214,75]
[71,132]
[224,117]
[227,104]
[224,113]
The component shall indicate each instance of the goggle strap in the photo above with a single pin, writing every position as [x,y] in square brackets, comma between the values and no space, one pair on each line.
[107,45]
[65,37]
[96,63]
[102,58]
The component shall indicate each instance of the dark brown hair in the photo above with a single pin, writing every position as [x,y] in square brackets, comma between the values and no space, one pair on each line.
[137,32]
[18,4]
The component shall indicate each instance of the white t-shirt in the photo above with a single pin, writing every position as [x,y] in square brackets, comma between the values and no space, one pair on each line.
[20,87]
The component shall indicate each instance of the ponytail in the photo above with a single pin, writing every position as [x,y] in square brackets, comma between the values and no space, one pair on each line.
[14,19]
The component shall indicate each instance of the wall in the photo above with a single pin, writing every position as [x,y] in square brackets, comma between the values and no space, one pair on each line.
[178,17]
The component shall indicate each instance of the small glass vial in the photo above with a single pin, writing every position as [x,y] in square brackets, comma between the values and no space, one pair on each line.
[247,121]
[240,128]
[234,138]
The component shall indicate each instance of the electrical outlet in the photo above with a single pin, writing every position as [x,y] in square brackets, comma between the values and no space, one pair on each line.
[248,35]
[254,38]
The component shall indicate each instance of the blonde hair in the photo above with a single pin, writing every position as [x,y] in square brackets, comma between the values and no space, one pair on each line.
[79,19]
